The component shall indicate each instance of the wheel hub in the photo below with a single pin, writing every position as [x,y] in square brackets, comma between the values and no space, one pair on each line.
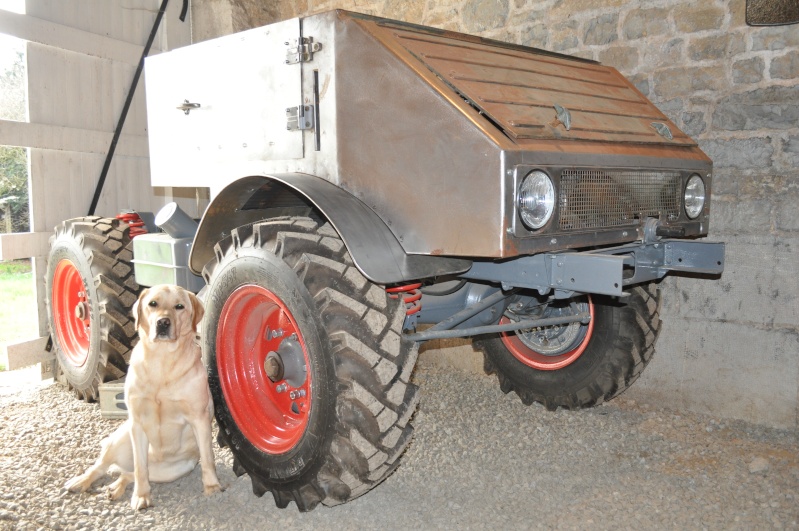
[553,347]
[288,363]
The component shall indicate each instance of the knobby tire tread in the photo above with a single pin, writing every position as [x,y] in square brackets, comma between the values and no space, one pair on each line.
[375,399]
[632,349]
[105,243]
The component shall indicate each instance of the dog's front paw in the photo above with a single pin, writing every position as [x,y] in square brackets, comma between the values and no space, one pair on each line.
[212,489]
[77,484]
[139,502]
[117,488]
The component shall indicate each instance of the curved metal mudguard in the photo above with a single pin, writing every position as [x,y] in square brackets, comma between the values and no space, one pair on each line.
[375,250]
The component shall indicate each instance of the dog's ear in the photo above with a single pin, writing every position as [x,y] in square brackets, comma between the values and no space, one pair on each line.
[198,310]
[137,310]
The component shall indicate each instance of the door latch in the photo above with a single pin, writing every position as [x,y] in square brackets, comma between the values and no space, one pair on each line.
[301,50]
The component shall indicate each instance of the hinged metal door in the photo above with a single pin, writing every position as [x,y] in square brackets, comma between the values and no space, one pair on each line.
[222,103]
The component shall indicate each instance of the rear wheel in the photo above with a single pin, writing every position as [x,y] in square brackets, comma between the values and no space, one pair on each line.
[308,371]
[90,288]
[578,365]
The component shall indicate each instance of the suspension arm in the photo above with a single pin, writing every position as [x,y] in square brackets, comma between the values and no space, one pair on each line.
[430,333]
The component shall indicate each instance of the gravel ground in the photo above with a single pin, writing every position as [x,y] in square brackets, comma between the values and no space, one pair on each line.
[479,460]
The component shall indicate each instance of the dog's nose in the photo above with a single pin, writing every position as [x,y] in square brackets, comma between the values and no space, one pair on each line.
[162,325]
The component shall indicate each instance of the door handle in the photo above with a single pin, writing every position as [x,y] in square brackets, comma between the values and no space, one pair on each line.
[187,106]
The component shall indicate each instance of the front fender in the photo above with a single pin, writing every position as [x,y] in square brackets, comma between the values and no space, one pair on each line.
[375,250]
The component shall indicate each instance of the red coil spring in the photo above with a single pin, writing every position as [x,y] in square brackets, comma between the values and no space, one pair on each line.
[135,223]
[411,296]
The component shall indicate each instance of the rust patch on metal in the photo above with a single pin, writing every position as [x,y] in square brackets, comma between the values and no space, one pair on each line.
[517,90]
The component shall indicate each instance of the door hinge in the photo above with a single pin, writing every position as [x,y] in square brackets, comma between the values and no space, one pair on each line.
[301,50]
[299,118]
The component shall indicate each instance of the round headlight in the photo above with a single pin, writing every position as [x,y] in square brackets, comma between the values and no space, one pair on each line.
[694,196]
[536,199]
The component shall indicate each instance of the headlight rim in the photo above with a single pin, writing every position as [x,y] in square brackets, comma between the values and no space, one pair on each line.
[550,201]
[694,212]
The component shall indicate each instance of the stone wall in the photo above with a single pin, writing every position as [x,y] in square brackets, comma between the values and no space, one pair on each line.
[729,347]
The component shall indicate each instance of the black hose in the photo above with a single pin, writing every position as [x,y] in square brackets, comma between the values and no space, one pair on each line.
[118,131]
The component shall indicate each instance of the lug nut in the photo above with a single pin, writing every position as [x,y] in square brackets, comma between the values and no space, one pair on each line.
[282,388]
[299,393]
[273,367]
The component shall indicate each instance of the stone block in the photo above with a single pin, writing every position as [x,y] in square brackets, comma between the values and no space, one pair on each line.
[775,38]
[741,217]
[748,70]
[728,369]
[690,18]
[641,23]
[758,286]
[565,9]
[739,153]
[790,150]
[693,123]
[668,53]
[447,19]
[563,36]
[641,82]
[565,42]
[535,35]
[602,29]
[769,108]
[785,67]
[737,11]
[211,19]
[483,15]
[676,82]
[786,217]
[716,47]
[406,10]
[623,58]
[759,186]
[725,182]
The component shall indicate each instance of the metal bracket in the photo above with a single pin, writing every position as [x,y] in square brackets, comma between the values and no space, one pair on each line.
[300,118]
[301,50]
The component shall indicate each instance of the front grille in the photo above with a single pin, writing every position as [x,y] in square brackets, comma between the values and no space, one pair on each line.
[593,199]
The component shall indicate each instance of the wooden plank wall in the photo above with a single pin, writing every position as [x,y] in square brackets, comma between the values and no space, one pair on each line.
[81,59]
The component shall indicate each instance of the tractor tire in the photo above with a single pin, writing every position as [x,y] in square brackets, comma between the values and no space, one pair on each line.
[603,360]
[90,288]
[307,368]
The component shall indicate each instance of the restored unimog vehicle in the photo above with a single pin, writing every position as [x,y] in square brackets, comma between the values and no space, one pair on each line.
[369,177]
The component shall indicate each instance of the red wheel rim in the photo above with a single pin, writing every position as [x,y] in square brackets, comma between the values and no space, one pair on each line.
[271,415]
[542,362]
[71,313]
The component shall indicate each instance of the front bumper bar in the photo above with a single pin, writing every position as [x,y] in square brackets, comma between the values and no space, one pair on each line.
[605,271]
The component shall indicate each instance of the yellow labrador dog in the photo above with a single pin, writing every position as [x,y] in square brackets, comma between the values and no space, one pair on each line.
[169,404]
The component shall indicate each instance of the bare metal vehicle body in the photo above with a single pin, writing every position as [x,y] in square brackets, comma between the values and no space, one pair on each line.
[368,177]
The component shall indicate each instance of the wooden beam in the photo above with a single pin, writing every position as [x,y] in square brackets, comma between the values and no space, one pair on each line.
[24,245]
[52,34]
[60,138]
[26,353]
